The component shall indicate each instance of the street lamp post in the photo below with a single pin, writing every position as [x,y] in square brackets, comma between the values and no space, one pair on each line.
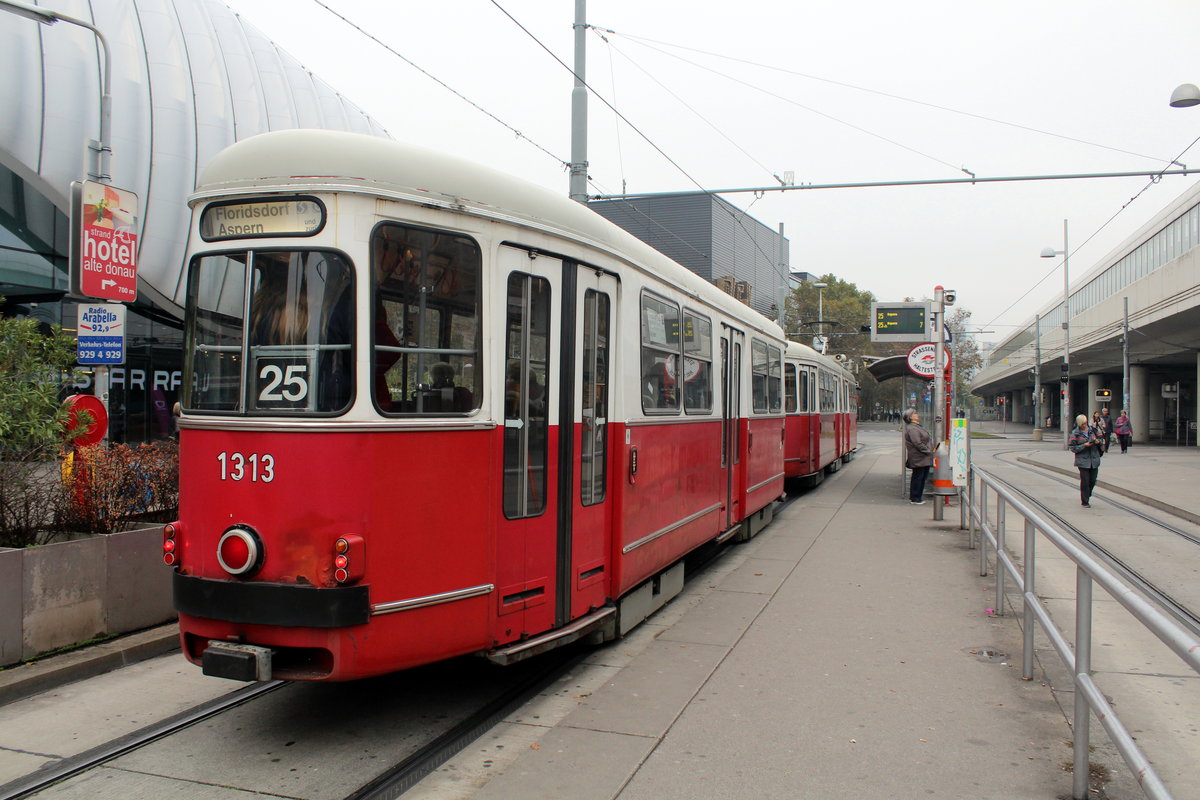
[101,149]
[820,287]
[1050,252]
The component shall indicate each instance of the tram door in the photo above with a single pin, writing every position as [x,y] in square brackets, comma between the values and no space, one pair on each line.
[732,345]
[586,533]
[529,381]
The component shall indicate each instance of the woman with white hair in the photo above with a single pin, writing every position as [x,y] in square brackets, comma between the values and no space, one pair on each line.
[1086,443]
[919,449]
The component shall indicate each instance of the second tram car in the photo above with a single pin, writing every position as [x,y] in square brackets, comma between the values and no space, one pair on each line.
[432,410]
[821,402]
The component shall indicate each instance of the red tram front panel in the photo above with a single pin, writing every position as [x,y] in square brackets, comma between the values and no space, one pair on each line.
[387,489]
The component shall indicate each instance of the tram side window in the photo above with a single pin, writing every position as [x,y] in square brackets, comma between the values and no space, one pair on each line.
[594,437]
[775,373]
[697,364]
[805,391]
[526,379]
[660,355]
[425,322]
[216,302]
[765,372]
[790,401]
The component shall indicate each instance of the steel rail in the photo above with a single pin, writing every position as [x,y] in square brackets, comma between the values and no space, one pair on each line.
[89,759]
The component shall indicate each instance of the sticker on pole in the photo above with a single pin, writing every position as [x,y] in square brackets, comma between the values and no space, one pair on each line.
[960,451]
[103,242]
[101,333]
[922,358]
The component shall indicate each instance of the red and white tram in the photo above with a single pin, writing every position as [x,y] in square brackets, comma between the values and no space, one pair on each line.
[432,410]
[822,413]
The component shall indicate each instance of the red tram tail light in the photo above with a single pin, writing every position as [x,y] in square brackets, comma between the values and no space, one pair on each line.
[169,546]
[349,559]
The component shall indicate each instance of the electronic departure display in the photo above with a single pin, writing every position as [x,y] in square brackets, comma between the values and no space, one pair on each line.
[900,322]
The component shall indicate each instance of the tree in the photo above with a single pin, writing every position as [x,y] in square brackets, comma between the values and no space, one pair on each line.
[964,354]
[847,310]
[34,366]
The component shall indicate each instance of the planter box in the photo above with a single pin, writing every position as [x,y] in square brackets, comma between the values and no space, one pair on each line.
[56,595]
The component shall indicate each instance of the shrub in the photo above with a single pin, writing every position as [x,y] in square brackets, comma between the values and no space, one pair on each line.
[34,366]
[105,489]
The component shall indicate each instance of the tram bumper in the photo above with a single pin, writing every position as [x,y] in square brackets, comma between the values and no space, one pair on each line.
[238,662]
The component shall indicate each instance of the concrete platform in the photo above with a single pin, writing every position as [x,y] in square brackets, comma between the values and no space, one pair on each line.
[846,652]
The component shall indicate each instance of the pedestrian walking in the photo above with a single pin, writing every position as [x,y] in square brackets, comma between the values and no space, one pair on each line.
[1086,445]
[1107,427]
[1124,430]
[919,448]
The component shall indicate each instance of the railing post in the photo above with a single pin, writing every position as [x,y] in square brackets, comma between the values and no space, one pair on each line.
[1001,508]
[1027,605]
[1083,668]
[983,511]
[973,510]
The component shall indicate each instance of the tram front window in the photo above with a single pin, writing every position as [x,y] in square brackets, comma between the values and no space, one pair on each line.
[425,326]
[295,353]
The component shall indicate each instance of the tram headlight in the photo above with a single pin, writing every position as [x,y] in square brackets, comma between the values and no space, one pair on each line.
[349,558]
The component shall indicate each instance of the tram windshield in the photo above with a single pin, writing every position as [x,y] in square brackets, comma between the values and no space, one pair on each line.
[425,330]
[295,353]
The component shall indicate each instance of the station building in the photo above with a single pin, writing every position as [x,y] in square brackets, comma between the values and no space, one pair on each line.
[189,78]
[1137,306]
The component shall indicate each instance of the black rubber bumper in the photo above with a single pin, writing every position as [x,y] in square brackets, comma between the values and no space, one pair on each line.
[282,604]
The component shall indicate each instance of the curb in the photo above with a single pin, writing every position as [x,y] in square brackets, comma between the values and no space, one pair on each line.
[52,672]
[1182,513]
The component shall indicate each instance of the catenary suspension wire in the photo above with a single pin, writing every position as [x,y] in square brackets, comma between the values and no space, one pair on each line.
[613,48]
[640,39]
[439,81]
[819,113]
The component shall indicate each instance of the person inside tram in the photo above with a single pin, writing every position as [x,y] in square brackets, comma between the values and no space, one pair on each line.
[446,396]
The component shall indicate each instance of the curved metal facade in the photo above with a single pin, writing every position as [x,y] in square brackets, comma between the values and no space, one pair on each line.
[189,78]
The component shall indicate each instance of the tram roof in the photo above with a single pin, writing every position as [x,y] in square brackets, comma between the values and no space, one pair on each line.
[324,159]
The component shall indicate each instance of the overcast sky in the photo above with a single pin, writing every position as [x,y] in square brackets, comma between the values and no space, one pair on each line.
[833,91]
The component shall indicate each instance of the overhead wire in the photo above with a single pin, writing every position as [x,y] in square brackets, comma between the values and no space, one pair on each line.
[566,164]
[889,95]
[812,110]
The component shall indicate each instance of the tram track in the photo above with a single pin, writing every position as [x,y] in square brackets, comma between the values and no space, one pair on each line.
[1180,610]
[440,743]
[104,753]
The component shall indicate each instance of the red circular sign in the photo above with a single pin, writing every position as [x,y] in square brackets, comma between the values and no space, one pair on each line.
[921,360]
[93,431]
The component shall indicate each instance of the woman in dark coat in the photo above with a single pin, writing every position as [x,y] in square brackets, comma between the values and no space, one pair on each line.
[1087,445]
[919,448]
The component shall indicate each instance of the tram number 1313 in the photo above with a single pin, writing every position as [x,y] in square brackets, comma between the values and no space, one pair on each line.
[254,467]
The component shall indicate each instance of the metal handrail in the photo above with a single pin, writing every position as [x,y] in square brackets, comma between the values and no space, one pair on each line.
[1088,571]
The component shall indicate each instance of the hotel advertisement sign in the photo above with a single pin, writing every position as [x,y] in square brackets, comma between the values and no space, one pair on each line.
[103,242]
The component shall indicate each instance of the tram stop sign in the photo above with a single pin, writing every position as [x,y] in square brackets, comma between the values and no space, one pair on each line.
[104,242]
[921,360]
